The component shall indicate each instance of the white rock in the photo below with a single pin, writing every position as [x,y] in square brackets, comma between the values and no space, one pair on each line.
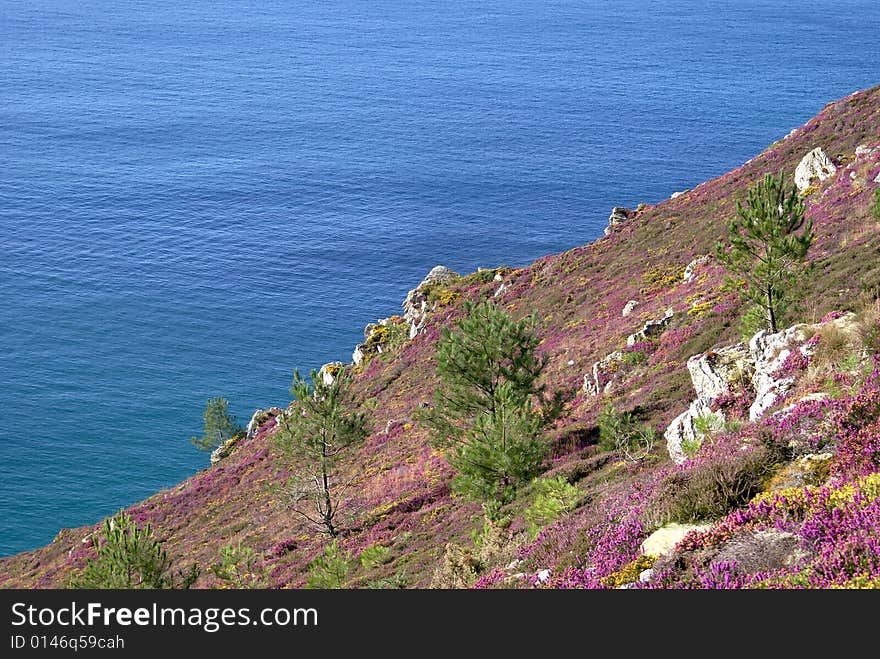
[646,575]
[713,372]
[683,428]
[500,290]
[663,540]
[416,303]
[596,382]
[619,215]
[326,376]
[816,164]
[768,352]
[877,178]
[258,418]
[676,195]
[651,328]
[543,575]
[357,357]
[690,270]
[629,307]
[864,150]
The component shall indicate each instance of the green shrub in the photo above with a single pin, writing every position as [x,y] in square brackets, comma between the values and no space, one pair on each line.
[129,557]
[396,581]
[691,445]
[374,556]
[752,321]
[554,498]
[875,206]
[715,485]
[634,357]
[237,567]
[330,570]
[619,431]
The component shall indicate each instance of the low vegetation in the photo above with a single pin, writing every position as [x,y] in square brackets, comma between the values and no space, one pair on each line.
[479,454]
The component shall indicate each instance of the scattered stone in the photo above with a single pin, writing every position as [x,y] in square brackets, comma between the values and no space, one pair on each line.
[816,164]
[543,575]
[629,307]
[645,576]
[676,195]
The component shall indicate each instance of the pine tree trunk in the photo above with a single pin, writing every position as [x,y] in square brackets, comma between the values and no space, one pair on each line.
[771,313]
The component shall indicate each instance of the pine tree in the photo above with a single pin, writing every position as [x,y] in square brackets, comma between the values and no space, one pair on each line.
[764,248]
[129,557]
[484,413]
[220,425]
[312,437]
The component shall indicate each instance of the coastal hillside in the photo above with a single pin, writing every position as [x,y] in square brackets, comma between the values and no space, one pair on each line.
[758,453]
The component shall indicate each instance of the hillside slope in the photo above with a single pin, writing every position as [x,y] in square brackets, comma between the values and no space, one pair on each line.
[799,531]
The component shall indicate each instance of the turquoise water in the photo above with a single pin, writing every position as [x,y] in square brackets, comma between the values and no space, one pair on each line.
[195,198]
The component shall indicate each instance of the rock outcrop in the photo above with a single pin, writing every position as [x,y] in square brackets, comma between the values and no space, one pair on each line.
[690,270]
[377,337]
[629,307]
[756,369]
[619,216]
[768,352]
[226,449]
[259,418]
[329,372]
[651,328]
[816,164]
[599,380]
[713,375]
[415,306]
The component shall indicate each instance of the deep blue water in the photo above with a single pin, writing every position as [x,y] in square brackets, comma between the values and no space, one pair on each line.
[197,197]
